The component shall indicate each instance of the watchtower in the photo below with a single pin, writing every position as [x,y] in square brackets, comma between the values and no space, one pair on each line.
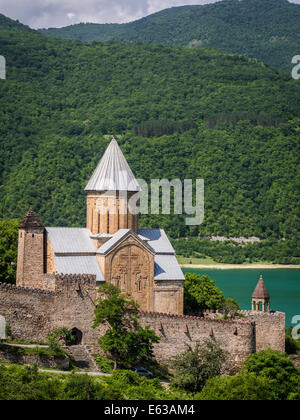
[30,266]
[261,297]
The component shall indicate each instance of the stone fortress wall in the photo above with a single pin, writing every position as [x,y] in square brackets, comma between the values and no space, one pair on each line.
[69,300]
[27,311]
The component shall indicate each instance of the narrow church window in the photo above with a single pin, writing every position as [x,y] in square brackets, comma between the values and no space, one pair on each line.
[33,235]
[108,222]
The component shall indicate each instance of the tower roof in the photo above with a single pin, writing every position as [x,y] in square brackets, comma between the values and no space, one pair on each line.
[31,220]
[113,172]
[261,291]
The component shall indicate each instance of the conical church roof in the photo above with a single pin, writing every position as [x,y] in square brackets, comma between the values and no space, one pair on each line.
[31,220]
[261,291]
[113,172]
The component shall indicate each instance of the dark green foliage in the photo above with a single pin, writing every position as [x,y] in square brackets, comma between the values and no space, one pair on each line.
[38,351]
[230,306]
[115,308]
[106,365]
[160,128]
[272,250]
[267,375]
[59,337]
[279,369]
[8,250]
[201,293]
[265,29]
[292,346]
[196,365]
[62,98]
[245,387]
[13,25]
[82,387]
[128,385]
[125,341]
[26,383]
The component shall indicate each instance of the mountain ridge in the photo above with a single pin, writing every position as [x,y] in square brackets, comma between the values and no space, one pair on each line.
[265,29]
[9,24]
[178,113]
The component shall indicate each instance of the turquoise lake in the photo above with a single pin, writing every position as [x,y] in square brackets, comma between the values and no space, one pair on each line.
[283,286]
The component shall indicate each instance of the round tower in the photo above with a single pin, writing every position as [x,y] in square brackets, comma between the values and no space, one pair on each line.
[109,193]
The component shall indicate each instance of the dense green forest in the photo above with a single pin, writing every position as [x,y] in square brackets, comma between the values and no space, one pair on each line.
[227,119]
[266,29]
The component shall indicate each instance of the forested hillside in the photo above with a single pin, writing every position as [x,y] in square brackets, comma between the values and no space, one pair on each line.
[195,113]
[265,29]
[13,25]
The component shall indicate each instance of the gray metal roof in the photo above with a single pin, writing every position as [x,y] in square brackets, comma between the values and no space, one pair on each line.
[158,240]
[113,172]
[71,240]
[166,267]
[67,243]
[117,237]
[113,241]
[79,265]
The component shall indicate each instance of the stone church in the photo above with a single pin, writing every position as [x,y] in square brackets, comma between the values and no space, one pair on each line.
[59,270]
[111,247]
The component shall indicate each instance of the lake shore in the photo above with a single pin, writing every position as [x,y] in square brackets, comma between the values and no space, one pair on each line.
[241,266]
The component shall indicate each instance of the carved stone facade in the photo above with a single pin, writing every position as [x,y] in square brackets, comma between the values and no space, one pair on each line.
[111,246]
[130,266]
[132,271]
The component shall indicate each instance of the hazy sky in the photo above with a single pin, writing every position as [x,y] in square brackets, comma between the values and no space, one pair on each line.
[57,13]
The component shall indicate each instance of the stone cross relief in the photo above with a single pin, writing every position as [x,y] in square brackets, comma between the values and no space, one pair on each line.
[129,271]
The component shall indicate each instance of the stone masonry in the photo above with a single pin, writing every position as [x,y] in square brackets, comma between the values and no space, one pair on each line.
[70,301]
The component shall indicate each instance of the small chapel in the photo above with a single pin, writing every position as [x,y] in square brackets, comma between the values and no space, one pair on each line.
[112,246]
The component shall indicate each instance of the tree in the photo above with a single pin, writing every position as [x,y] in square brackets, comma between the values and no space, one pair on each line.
[196,365]
[59,337]
[229,306]
[125,341]
[278,368]
[245,386]
[292,346]
[201,293]
[8,250]
[82,387]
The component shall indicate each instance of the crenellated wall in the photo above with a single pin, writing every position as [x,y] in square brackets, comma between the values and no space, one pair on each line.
[27,311]
[71,300]
[236,337]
